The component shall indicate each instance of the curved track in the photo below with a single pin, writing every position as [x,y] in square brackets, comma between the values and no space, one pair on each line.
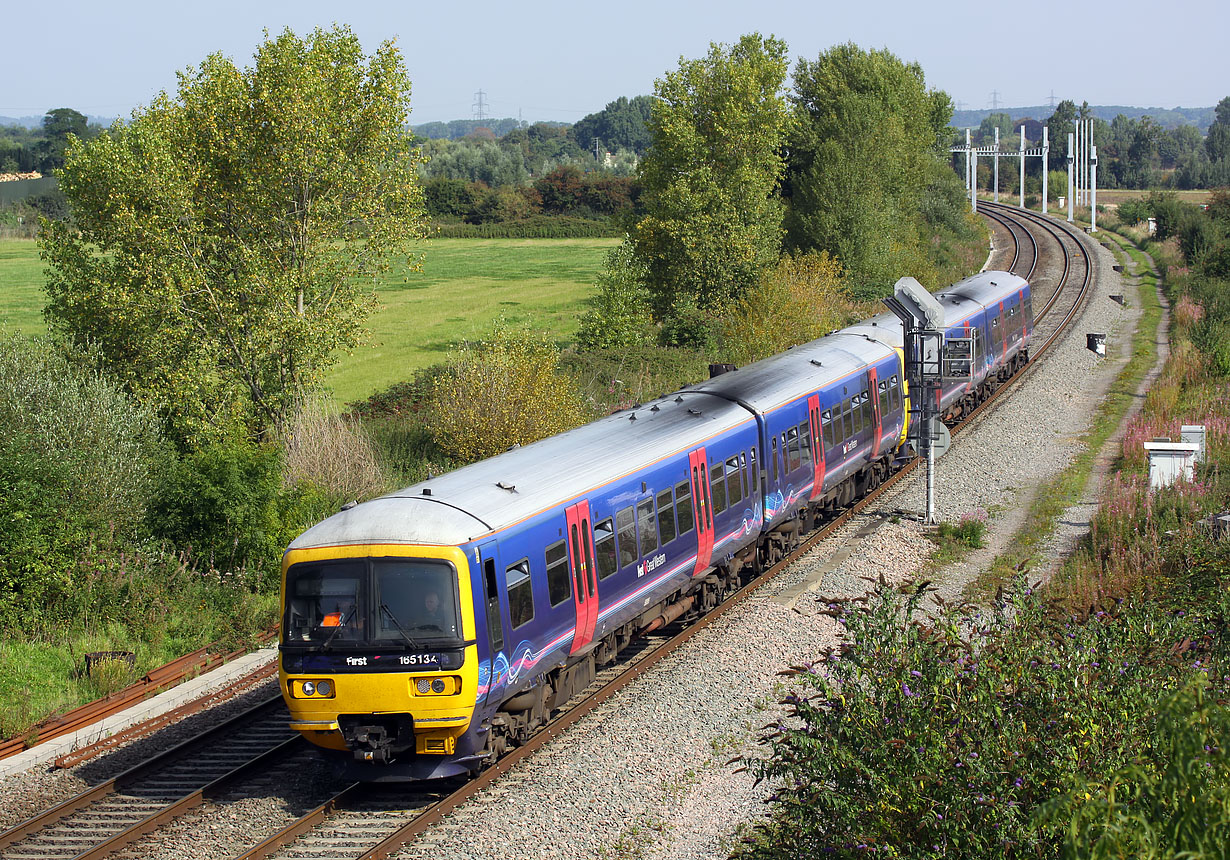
[374,821]
[336,827]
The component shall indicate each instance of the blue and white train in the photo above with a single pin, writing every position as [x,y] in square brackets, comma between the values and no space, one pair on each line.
[427,631]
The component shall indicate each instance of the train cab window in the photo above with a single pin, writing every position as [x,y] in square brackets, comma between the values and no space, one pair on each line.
[604,548]
[804,431]
[559,585]
[625,527]
[647,526]
[717,484]
[324,602]
[666,516]
[683,506]
[734,481]
[520,593]
[416,599]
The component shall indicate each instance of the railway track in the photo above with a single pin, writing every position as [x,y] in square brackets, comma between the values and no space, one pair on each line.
[335,827]
[115,814]
[375,821]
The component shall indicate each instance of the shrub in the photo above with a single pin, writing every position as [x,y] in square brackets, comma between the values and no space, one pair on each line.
[798,300]
[222,505]
[333,453]
[505,391]
[620,315]
[944,736]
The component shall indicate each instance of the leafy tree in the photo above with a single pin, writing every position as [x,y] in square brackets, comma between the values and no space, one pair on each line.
[226,232]
[1217,143]
[713,221]
[866,134]
[1062,123]
[623,123]
[620,315]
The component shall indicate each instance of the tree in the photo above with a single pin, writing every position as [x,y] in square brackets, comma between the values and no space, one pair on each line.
[713,215]
[1217,143]
[623,123]
[58,125]
[866,135]
[1062,123]
[227,235]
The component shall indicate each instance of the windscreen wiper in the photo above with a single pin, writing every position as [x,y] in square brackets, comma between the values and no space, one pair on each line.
[410,640]
[338,629]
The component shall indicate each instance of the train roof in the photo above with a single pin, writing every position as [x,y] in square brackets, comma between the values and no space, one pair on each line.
[958,302]
[493,494]
[775,381]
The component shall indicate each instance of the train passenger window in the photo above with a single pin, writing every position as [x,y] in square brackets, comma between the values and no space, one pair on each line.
[625,526]
[683,504]
[647,526]
[896,393]
[748,484]
[832,429]
[847,418]
[559,585]
[734,481]
[717,483]
[520,593]
[774,459]
[604,548]
[886,401]
[790,449]
[755,474]
[864,408]
[856,415]
[804,432]
[666,516]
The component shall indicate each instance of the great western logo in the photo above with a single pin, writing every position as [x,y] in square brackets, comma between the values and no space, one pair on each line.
[650,564]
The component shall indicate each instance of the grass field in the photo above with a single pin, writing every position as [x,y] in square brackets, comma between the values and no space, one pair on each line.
[464,286]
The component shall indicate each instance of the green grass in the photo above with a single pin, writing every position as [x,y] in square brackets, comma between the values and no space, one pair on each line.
[21,287]
[464,286]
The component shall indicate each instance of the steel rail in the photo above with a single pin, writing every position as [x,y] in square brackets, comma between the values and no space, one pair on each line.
[431,815]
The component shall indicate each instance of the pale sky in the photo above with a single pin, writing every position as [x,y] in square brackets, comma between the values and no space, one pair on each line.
[560,61]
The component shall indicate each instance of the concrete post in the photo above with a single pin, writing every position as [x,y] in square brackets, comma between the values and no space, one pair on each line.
[1071,166]
[1046,163]
[995,180]
[1093,189]
[1021,202]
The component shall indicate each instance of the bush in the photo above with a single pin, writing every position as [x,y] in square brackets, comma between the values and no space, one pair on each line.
[223,507]
[77,465]
[505,391]
[620,315]
[798,300]
[945,736]
[333,453]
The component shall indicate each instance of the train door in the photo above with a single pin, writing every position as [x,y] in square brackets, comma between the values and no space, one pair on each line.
[877,415]
[584,573]
[702,509]
[490,562]
[817,444]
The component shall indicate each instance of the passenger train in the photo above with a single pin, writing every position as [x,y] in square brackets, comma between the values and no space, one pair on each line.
[427,631]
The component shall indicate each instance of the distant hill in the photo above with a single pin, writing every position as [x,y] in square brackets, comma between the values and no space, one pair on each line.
[37,121]
[457,128]
[1202,118]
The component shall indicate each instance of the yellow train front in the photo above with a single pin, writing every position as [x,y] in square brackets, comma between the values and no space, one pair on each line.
[378,657]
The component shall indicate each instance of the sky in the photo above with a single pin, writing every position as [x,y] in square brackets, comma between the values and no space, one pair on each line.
[557,61]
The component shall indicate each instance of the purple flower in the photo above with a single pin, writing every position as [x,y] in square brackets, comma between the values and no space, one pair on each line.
[905,688]
[916,673]
[1018,782]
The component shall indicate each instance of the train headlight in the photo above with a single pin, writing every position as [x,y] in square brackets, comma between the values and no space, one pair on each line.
[423,685]
[448,685]
[437,686]
[319,689]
